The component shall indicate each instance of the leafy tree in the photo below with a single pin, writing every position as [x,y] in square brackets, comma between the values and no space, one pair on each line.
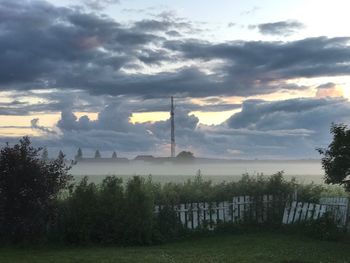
[111,204]
[81,213]
[185,156]
[29,188]
[45,155]
[97,154]
[139,212]
[336,158]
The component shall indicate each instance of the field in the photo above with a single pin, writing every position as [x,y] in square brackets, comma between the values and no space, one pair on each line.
[258,247]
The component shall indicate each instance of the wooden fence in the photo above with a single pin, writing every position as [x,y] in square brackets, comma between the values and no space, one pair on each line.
[267,208]
[298,211]
[258,209]
[336,207]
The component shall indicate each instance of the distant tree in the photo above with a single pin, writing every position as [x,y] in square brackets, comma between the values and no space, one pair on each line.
[336,158]
[97,154]
[60,155]
[185,156]
[29,187]
[114,155]
[79,154]
[45,155]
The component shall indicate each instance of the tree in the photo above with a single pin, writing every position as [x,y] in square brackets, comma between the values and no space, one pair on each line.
[45,155]
[114,155]
[185,156]
[336,158]
[29,188]
[79,154]
[97,154]
[61,155]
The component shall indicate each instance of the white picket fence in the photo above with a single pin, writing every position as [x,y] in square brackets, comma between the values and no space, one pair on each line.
[259,209]
[298,211]
[337,208]
[242,208]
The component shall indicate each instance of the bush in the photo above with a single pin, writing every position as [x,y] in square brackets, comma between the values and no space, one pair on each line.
[29,187]
[108,213]
[169,224]
[323,228]
[138,212]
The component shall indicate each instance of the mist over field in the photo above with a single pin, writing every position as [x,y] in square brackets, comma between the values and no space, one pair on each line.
[305,171]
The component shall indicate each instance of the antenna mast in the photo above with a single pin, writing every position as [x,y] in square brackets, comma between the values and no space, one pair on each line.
[172,128]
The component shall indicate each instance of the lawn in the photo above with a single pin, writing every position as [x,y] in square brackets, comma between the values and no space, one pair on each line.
[261,247]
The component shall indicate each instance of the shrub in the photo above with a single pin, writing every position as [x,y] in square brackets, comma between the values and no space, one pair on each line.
[138,212]
[323,228]
[29,187]
[169,224]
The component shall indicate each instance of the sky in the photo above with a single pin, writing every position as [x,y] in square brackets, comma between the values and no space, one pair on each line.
[251,79]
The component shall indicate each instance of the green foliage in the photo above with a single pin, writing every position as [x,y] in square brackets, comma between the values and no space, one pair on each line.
[323,228]
[139,212]
[29,187]
[200,190]
[169,224]
[336,158]
[108,213]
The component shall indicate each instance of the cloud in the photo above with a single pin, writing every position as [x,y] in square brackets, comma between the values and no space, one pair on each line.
[263,129]
[289,129]
[99,4]
[35,125]
[329,90]
[98,55]
[281,28]
[258,67]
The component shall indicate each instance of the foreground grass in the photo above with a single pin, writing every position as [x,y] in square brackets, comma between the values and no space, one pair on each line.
[261,247]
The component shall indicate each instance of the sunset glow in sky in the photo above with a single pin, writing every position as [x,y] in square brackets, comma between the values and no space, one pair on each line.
[251,79]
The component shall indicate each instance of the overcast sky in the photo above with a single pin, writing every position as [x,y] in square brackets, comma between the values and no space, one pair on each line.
[251,79]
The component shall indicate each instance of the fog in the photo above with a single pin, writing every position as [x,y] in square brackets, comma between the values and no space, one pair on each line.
[304,171]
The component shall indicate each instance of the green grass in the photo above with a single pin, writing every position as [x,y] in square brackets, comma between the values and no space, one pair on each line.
[260,247]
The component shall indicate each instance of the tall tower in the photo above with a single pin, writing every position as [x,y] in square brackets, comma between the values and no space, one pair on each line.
[172,127]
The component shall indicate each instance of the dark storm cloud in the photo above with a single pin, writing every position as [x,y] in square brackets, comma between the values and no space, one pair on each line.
[59,41]
[315,115]
[262,67]
[281,28]
[69,49]
[291,128]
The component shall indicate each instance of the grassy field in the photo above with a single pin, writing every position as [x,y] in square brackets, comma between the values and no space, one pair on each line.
[260,247]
